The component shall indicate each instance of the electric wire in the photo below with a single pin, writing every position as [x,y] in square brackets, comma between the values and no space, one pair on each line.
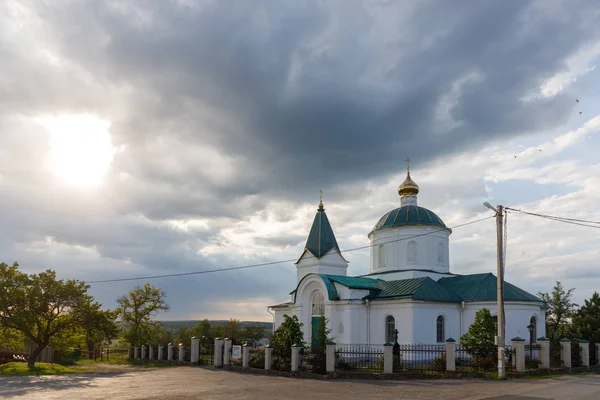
[208,271]
[572,221]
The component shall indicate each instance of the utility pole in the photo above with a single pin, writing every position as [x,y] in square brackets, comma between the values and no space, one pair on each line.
[500,289]
[500,339]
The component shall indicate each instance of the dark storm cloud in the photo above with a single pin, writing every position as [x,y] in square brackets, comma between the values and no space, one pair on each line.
[225,105]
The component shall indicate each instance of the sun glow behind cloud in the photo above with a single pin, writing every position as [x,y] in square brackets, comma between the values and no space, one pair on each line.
[80,148]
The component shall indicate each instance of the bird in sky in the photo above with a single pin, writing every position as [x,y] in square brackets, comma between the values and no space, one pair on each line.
[577,100]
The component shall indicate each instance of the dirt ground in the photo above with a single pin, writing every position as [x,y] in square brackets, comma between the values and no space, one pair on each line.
[207,384]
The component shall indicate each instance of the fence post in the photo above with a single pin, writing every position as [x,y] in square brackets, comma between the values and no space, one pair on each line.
[388,358]
[144,352]
[565,352]
[268,357]
[227,351]
[181,352]
[245,356]
[330,357]
[598,354]
[161,350]
[170,352]
[150,352]
[518,345]
[136,353]
[218,353]
[544,351]
[295,357]
[450,354]
[195,350]
[584,352]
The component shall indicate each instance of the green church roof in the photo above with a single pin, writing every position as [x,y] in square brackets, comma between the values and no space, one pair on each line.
[417,289]
[321,238]
[482,287]
[409,215]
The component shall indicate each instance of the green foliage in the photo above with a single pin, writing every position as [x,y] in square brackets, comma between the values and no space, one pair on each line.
[587,319]
[257,358]
[233,330]
[43,307]
[288,334]
[136,310]
[439,363]
[12,339]
[479,339]
[561,310]
[252,335]
[21,369]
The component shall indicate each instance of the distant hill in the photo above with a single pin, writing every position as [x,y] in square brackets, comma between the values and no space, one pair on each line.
[176,325]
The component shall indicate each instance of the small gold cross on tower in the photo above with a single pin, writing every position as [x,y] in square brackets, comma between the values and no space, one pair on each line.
[320,199]
[408,165]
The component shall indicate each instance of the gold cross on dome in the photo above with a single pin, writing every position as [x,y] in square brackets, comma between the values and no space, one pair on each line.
[321,196]
[408,165]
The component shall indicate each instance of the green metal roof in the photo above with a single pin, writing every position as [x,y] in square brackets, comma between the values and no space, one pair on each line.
[409,215]
[348,281]
[482,287]
[417,289]
[321,238]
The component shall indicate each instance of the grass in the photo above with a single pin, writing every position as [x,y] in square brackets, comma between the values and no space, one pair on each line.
[21,369]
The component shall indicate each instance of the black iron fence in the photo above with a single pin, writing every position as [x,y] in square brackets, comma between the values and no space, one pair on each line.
[576,360]
[257,358]
[207,354]
[533,357]
[421,358]
[468,362]
[359,358]
[555,355]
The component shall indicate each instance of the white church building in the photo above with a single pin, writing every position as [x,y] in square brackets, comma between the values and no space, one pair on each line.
[409,286]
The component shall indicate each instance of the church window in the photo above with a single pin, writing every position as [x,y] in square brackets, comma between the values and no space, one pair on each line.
[440,329]
[440,253]
[318,304]
[390,327]
[533,334]
[411,255]
[381,254]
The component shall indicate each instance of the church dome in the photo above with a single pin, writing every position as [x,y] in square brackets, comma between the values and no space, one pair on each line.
[409,215]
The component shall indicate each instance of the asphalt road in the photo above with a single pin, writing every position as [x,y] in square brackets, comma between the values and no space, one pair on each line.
[206,384]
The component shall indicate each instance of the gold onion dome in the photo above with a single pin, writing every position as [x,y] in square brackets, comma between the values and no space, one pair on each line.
[408,187]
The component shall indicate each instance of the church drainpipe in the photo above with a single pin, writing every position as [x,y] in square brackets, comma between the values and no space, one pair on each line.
[461,318]
[368,303]
[273,315]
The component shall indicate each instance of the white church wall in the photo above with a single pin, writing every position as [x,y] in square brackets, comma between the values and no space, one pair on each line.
[395,242]
[407,274]
[425,321]
[403,314]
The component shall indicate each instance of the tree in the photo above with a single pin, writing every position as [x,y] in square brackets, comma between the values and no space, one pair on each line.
[233,329]
[561,310]
[479,339]
[43,307]
[252,334]
[136,310]
[203,330]
[587,319]
[288,334]
[100,327]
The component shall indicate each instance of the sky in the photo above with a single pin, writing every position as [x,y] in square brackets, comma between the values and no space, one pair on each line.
[146,138]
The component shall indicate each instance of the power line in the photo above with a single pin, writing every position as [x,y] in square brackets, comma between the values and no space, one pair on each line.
[207,271]
[573,221]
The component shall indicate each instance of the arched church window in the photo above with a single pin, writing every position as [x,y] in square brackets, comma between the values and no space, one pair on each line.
[440,329]
[440,253]
[533,333]
[318,304]
[411,254]
[381,254]
[390,327]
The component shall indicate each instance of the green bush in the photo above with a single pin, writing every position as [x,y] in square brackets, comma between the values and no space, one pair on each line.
[439,363]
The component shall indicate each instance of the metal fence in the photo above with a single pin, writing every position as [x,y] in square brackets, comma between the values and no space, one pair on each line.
[533,356]
[359,358]
[257,358]
[576,355]
[207,354]
[469,363]
[555,355]
[421,358]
